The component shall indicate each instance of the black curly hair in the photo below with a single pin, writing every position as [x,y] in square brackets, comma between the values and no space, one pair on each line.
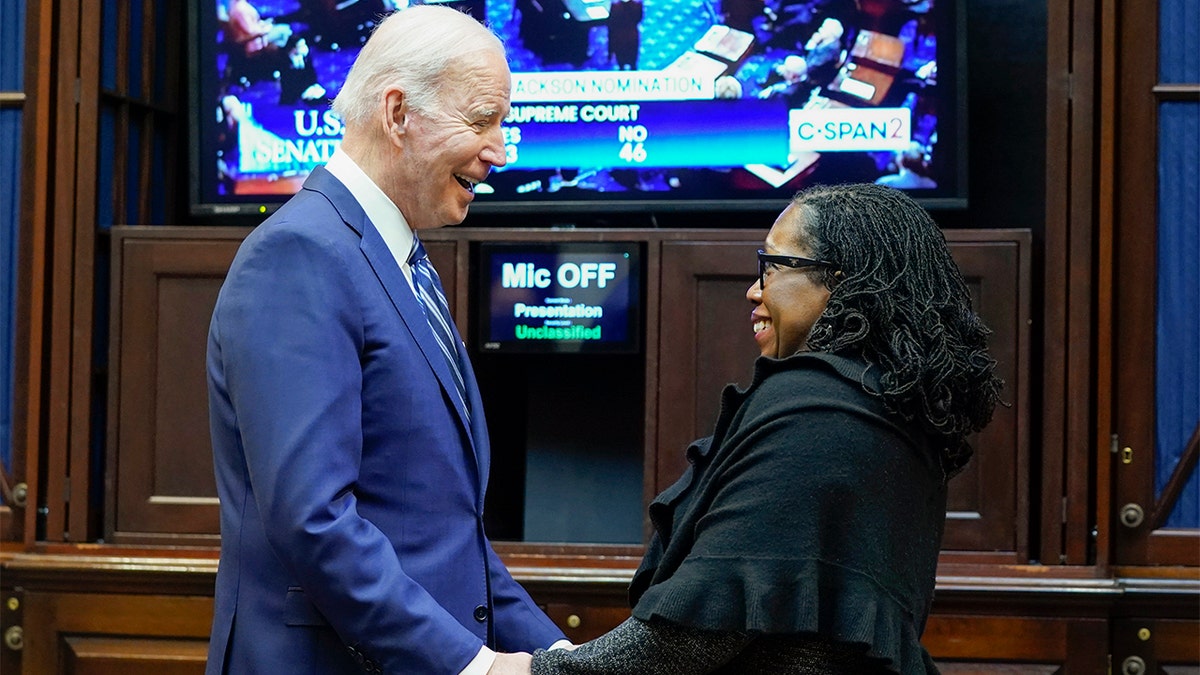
[899,301]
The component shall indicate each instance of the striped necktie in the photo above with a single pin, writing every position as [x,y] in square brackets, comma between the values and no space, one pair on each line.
[437,312]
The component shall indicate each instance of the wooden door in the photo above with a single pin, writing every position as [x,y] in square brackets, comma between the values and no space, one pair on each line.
[1156,308]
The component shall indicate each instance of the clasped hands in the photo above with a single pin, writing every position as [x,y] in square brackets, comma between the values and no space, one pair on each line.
[519,663]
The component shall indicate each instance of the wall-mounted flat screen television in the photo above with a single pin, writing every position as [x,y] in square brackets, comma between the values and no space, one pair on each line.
[562,297]
[617,104]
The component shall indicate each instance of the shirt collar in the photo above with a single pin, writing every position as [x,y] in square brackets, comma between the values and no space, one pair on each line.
[382,212]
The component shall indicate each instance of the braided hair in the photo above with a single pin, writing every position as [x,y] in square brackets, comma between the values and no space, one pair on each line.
[898,300]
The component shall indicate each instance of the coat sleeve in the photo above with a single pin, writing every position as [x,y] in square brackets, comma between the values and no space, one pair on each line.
[520,624]
[288,339]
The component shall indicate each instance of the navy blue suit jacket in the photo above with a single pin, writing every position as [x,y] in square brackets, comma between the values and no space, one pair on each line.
[351,484]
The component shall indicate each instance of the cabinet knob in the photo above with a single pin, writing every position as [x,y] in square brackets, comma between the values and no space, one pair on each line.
[20,493]
[1133,665]
[574,621]
[14,638]
[1132,515]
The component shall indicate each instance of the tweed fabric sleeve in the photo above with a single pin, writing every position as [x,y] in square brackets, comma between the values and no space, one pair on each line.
[636,646]
[639,647]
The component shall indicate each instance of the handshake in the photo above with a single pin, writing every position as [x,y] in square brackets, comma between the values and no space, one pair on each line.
[521,663]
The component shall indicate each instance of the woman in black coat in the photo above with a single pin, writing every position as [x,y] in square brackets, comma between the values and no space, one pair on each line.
[804,537]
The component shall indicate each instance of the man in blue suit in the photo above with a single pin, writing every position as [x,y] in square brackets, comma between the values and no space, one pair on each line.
[351,450]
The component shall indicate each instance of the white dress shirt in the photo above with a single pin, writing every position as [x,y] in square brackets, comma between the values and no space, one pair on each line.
[382,211]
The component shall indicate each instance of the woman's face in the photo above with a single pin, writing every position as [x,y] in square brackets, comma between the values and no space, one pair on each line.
[792,299]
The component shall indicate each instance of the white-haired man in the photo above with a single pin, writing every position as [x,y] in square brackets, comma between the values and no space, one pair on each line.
[350,445]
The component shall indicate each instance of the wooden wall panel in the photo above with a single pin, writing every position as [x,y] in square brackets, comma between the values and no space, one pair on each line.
[88,612]
[1156,645]
[133,656]
[987,503]
[160,460]
[583,622]
[165,286]
[80,632]
[1082,665]
[709,346]
[86,630]
[963,644]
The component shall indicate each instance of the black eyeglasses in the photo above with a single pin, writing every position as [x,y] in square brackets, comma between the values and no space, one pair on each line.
[767,260]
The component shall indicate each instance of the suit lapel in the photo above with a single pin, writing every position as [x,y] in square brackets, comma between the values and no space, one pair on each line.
[386,269]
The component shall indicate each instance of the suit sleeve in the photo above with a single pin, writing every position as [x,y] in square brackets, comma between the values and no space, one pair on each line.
[520,624]
[289,331]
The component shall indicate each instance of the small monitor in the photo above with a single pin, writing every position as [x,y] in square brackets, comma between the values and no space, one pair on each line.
[561,297]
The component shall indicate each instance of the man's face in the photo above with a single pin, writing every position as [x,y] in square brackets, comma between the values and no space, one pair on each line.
[451,149]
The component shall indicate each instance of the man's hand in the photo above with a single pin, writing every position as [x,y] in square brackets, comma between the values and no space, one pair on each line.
[518,663]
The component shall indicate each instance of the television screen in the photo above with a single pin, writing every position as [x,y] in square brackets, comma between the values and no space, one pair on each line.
[617,104]
[558,297]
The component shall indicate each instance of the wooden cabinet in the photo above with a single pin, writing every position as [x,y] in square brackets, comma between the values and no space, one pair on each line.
[81,614]
[974,645]
[92,614]
[995,610]
[697,339]
[94,633]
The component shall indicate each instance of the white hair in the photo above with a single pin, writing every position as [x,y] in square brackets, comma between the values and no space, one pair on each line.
[410,49]
[794,65]
[832,27]
[727,86]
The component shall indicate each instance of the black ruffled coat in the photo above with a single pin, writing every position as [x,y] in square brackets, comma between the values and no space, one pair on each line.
[811,510]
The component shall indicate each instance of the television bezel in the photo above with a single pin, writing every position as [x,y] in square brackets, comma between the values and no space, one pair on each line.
[481,299]
[953,127]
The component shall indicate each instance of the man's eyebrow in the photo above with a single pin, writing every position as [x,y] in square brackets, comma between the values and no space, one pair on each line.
[490,113]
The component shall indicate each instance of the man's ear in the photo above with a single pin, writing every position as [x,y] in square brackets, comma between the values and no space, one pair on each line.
[395,114]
